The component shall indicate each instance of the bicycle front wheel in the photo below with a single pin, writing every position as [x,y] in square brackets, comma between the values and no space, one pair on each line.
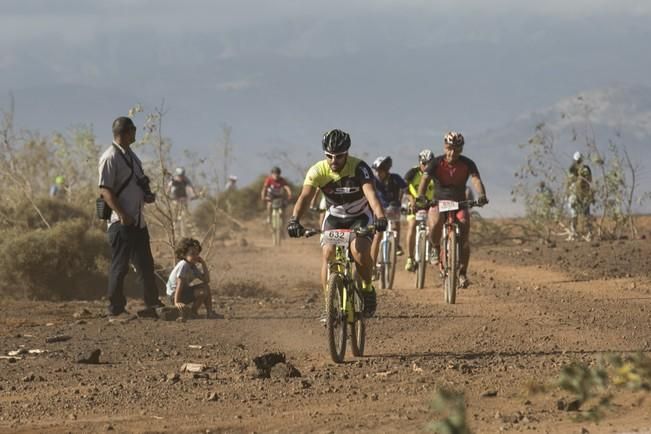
[358,333]
[276,226]
[336,321]
[452,268]
[390,267]
[384,262]
[421,245]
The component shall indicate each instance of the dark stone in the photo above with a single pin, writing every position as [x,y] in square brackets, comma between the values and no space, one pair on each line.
[57,338]
[284,370]
[91,358]
[168,313]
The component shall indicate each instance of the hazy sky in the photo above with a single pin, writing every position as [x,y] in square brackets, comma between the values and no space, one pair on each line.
[395,74]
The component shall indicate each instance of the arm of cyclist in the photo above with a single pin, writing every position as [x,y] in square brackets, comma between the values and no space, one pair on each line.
[294,227]
[288,191]
[376,206]
[478,185]
[314,201]
[263,192]
[422,187]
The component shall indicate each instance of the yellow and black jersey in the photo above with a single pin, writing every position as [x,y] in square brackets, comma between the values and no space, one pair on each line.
[343,189]
[413,177]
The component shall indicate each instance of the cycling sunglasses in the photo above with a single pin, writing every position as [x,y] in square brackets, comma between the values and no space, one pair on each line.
[333,157]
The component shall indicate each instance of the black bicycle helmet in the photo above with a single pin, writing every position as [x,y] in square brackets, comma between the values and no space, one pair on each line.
[276,170]
[383,163]
[336,142]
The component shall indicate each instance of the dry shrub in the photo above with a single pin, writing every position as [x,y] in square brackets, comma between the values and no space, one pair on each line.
[53,210]
[58,263]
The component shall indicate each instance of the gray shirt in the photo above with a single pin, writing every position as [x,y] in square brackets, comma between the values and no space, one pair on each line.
[114,170]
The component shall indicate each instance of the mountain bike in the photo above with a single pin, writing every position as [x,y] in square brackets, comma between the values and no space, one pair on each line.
[451,245]
[387,259]
[344,301]
[422,249]
[277,209]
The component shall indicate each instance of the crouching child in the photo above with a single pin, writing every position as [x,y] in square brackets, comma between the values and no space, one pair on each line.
[188,286]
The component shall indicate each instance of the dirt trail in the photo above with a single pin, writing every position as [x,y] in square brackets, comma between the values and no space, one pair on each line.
[514,325]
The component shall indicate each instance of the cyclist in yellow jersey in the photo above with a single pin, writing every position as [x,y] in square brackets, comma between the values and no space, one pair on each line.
[347,184]
[413,177]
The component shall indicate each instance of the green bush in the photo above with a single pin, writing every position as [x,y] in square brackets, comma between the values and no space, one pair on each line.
[67,261]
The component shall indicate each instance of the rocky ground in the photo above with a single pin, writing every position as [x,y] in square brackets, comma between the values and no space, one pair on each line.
[531,309]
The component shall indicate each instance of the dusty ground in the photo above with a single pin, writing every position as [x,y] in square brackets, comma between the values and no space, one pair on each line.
[531,309]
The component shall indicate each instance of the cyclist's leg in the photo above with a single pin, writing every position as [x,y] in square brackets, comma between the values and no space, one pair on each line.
[435,226]
[375,247]
[268,210]
[411,235]
[463,217]
[361,250]
[396,227]
[328,253]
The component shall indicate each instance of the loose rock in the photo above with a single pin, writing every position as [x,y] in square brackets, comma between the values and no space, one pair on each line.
[284,370]
[57,338]
[91,358]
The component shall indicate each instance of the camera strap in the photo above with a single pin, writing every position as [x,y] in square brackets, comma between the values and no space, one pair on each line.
[130,164]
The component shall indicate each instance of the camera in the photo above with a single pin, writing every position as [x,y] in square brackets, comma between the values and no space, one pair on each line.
[143,183]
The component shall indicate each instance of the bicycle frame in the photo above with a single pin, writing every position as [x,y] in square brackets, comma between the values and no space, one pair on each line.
[389,235]
[343,265]
[449,263]
[451,224]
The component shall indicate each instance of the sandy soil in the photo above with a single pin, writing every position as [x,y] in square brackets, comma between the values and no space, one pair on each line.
[530,309]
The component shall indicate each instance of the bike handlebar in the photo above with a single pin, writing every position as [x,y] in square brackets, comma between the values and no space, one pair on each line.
[462,204]
[364,230]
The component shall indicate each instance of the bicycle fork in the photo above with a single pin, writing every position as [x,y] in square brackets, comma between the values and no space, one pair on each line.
[446,245]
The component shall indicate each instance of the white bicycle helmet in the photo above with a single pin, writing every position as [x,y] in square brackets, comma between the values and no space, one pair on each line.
[454,139]
[577,156]
[425,156]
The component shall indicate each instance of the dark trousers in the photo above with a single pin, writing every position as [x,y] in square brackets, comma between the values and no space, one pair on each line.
[130,243]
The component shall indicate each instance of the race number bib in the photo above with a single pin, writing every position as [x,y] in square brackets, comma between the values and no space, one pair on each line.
[338,237]
[421,215]
[448,205]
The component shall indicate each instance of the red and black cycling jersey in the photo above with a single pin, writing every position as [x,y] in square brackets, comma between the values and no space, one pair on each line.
[451,178]
[274,187]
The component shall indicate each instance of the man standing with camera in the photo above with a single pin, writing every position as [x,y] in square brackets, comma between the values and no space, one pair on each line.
[125,188]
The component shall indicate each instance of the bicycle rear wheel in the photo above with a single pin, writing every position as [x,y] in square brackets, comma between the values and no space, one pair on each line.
[421,245]
[452,266]
[336,322]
